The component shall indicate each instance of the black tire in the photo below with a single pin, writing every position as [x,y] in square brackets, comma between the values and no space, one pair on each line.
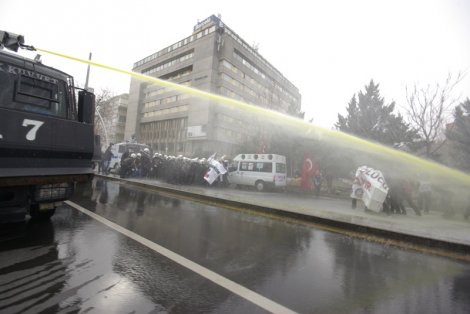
[259,185]
[37,214]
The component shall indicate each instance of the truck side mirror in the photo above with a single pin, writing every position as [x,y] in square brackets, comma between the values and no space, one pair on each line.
[86,107]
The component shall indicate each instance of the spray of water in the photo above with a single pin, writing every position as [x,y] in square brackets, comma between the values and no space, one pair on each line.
[403,162]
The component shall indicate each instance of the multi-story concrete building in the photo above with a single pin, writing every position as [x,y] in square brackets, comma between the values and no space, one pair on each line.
[114,113]
[214,59]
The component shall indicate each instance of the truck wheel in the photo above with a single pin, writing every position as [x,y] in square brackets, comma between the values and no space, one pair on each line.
[259,185]
[37,214]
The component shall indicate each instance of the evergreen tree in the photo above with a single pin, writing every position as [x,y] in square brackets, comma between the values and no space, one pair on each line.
[370,118]
[459,133]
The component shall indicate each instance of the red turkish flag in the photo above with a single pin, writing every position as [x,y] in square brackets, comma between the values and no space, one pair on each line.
[309,168]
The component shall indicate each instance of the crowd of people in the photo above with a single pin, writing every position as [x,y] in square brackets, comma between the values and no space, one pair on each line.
[418,195]
[171,169]
[401,194]
[388,193]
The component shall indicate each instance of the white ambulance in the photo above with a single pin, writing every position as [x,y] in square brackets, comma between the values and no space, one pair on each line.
[258,170]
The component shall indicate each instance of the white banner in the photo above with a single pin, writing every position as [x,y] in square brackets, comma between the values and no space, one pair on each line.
[369,186]
[220,168]
[211,176]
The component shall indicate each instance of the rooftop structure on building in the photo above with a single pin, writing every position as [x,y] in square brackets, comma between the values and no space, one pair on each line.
[214,59]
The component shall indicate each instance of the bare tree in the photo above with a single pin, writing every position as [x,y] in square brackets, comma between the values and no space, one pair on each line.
[429,109]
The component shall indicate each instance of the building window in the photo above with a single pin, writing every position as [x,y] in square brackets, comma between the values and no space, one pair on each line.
[178,74]
[183,96]
[169,63]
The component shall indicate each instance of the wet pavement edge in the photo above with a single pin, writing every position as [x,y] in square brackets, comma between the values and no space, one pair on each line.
[439,247]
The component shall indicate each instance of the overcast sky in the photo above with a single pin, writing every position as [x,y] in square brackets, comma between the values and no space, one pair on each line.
[328,49]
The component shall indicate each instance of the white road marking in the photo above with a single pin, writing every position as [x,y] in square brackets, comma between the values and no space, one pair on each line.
[228,284]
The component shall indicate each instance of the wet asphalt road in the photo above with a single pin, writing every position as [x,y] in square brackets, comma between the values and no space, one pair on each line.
[75,264]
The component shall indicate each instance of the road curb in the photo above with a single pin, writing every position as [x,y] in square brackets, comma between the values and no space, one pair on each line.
[389,237]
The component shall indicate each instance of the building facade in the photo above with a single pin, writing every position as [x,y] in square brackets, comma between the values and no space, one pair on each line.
[114,113]
[213,59]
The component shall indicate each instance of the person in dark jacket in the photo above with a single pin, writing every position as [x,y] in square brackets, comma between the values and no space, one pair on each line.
[146,163]
[107,159]
[401,191]
[317,182]
[128,166]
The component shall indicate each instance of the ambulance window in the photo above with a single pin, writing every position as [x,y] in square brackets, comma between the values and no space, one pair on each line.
[264,166]
[233,166]
[280,168]
[247,166]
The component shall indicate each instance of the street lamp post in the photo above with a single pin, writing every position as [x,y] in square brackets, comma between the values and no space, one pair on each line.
[87,73]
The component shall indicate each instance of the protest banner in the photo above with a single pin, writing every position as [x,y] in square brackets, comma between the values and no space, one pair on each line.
[211,176]
[369,186]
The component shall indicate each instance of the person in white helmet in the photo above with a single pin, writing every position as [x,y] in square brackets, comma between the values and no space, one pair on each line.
[128,166]
[145,163]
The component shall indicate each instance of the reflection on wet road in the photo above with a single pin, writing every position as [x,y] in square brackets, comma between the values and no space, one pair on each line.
[76,264]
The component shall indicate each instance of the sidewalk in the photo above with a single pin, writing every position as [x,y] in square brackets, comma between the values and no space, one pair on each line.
[430,226]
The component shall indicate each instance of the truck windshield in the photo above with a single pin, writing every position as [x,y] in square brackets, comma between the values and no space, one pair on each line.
[39,94]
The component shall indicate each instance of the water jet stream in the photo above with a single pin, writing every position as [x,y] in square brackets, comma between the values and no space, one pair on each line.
[340,139]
